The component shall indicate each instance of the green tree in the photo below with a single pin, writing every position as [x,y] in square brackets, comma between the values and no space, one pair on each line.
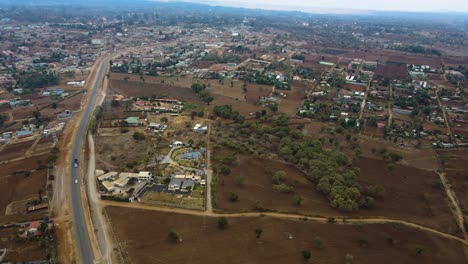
[258,232]
[419,250]
[376,191]
[318,244]
[37,115]
[391,167]
[233,197]
[115,103]
[306,254]
[222,222]
[173,237]
[239,180]
[139,136]
[197,87]
[54,105]
[279,177]
[164,119]
[298,199]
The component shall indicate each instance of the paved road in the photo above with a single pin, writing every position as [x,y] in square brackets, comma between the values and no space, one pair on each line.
[82,238]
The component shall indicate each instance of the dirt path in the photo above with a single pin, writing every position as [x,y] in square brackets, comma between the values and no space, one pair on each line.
[318,219]
[454,204]
[209,173]
[444,113]
[363,104]
[99,224]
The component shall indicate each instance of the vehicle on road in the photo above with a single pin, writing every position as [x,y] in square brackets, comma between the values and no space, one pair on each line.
[75,163]
[76,181]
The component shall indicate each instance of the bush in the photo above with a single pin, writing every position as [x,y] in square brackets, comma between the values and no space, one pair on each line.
[376,191]
[173,237]
[283,188]
[124,130]
[233,197]
[331,220]
[225,170]
[306,254]
[240,180]
[279,177]
[139,136]
[222,222]
[395,156]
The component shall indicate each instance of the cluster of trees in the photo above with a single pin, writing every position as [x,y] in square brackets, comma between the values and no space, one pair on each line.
[420,49]
[334,173]
[204,95]
[36,78]
[226,112]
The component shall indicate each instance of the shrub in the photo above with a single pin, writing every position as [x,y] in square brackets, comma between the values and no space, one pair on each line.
[279,177]
[139,136]
[376,191]
[222,222]
[331,220]
[233,197]
[240,180]
[173,237]
[124,130]
[283,188]
[306,254]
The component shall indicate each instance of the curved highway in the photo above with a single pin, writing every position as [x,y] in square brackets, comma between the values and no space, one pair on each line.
[82,236]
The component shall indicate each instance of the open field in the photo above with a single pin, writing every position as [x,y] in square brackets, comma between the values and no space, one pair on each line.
[281,241]
[457,173]
[17,187]
[20,251]
[115,151]
[138,88]
[424,204]
[16,150]
[258,187]
[409,195]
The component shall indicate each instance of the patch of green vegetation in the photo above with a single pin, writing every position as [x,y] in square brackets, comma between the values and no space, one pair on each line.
[332,171]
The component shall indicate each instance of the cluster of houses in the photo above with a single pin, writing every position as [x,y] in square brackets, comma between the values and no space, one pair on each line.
[33,229]
[111,180]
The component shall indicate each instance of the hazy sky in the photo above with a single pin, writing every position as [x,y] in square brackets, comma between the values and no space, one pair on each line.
[342,5]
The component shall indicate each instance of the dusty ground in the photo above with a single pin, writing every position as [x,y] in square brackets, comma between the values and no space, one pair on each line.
[281,242]
[409,195]
[12,151]
[457,173]
[258,187]
[15,187]
[412,187]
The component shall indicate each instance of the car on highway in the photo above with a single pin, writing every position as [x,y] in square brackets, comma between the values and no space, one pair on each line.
[76,181]
[75,163]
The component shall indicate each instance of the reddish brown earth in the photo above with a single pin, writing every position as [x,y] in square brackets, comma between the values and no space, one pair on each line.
[409,195]
[457,174]
[142,238]
[12,151]
[15,187]
[258,184]
[411,187]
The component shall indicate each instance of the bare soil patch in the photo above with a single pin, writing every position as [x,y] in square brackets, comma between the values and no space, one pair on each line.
[409,195]
[141,233]
[12,151]
[258,187]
